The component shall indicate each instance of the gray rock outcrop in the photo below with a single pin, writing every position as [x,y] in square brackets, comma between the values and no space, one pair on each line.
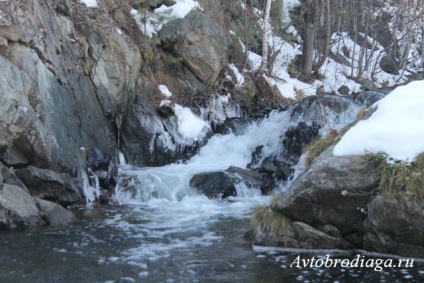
[200,42]
[18,209]
[49,185]
[395,225]
[334,190]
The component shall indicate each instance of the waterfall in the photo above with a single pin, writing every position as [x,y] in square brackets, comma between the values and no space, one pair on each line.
[171,182]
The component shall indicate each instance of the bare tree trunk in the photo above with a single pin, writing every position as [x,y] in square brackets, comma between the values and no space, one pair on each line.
[267,27]
[355,30]
[308,40]
[325,48]
[339,17]
[364,47]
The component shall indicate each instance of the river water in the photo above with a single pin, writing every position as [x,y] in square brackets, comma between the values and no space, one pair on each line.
[162,230]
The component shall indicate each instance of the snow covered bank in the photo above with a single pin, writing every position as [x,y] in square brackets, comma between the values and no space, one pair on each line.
[396,128]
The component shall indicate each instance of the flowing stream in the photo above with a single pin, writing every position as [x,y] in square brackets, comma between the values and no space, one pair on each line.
[164,231]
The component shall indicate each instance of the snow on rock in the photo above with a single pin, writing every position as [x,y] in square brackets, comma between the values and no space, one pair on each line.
[165,91]
[165,102]
[396,127]
[179,10]
[160,16]
[190,127]
[90,3]
[239,77]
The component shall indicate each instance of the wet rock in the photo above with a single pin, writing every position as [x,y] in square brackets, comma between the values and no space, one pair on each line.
[327,111]
[223,184]
[200,42]
[281,166]
[395,225]
[144,139]
[368,98]
[96,159]
[294,142]
[148,140]
[18,209]
[50,185]
[237,126]
[54,213]
[214,184]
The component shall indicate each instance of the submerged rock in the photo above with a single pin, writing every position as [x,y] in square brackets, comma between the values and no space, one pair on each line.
[223,184]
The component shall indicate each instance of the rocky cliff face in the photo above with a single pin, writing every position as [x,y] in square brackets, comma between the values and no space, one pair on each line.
[75,78]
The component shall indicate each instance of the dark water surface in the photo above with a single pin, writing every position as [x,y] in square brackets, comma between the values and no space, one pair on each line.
[95,250]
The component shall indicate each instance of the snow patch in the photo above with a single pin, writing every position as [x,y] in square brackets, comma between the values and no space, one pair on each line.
[396,127]
[165,91]
[90,3]
[189,125]
[151,23]
[165,102]
[239,77]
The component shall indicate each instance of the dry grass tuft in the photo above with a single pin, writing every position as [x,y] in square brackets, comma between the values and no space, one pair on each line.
[272,222]
[399,178]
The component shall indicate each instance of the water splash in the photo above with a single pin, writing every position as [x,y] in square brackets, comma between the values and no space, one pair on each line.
[91,186]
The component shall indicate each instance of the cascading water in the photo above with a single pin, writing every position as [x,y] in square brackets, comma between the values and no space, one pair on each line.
[168,207]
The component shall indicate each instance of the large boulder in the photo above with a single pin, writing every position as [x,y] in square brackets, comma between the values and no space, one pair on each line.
[333,191]
[49,185]
[18,209]
[200,42]
[54,213]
